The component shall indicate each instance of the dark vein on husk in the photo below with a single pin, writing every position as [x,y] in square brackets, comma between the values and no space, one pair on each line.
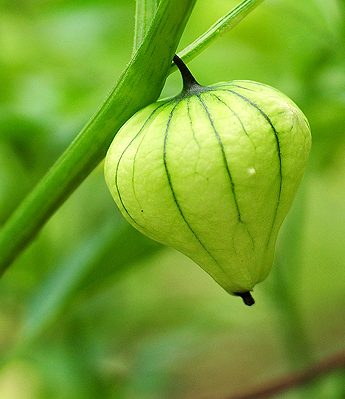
[170,183]
[268,120]
[120,159]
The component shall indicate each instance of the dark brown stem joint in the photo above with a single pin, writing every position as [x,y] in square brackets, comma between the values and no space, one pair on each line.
[246,297]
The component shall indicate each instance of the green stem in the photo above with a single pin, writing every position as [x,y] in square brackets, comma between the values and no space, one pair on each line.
[90,146]
[223,25]
[145,11]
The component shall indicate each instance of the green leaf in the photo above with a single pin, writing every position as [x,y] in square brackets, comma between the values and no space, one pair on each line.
[89,266]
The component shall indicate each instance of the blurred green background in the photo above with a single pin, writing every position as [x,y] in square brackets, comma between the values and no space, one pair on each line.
[95,310]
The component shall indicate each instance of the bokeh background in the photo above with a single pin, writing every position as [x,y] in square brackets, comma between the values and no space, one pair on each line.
[95,310]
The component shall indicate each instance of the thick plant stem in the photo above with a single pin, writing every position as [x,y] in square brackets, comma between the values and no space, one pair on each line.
[145,11]
[146,73]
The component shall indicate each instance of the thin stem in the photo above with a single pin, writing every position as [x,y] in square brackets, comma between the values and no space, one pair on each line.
[326,366]
[188,79]
[223,25]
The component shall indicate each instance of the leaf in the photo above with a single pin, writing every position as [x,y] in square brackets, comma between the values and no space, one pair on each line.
[99,257]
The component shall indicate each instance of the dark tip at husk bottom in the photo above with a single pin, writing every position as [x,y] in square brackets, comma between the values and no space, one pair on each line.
[246,297]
